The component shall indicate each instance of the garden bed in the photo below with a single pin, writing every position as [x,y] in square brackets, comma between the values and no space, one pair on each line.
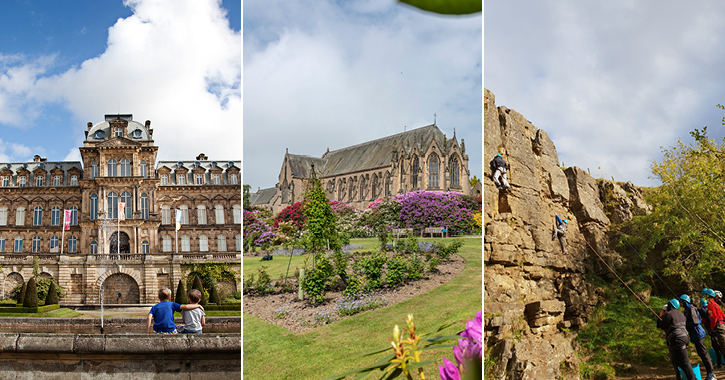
[299,316]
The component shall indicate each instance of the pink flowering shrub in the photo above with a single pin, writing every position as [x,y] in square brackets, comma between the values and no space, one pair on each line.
[468,353]
[257,232]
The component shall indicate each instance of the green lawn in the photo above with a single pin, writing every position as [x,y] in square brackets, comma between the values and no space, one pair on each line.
[272,352]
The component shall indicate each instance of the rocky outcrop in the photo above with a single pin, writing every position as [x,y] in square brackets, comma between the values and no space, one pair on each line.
[535,297]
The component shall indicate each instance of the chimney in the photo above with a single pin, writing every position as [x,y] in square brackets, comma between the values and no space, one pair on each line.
[90,125]
[44,159]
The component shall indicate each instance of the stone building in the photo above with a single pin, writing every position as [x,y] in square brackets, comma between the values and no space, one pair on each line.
[419,159]
[123,230]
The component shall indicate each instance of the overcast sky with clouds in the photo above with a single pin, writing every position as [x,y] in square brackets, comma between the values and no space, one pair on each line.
[611,81]
[322,73]
[176,63]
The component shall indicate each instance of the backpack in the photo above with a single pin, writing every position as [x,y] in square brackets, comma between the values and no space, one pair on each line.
[693,324]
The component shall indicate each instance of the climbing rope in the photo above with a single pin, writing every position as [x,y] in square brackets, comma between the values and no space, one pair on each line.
[645,261]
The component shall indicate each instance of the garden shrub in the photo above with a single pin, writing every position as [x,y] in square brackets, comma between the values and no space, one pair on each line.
[248,284]
[31,294]
[196,284]
[445,251]
[214,295]
[263,281]
[291,215]
[410,245]
[23,290]
[416,266]
[433,264]
[397,267]
[355,286]
[52,296]
[422,209]
[257,232]
[181,296]
[43,287]
[317,280]
[372,267]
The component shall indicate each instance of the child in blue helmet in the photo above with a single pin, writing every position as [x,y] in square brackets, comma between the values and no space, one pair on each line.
[498,169]
[672,321]
[705,318]
[560,231]
[697,334]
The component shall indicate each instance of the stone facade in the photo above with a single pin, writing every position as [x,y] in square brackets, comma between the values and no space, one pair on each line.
[134,249]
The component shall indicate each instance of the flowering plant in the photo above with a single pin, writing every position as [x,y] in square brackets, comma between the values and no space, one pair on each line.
[257,232]
[423,209]
[468,353]
[291,214]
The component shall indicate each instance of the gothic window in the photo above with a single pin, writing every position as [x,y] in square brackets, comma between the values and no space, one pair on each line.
[201,214]
[455,178]
[55,216]
[285,192]
[94,206]
[414,173]
[185,243]
[433,166]
[38,216]
[56,180]
[362,188]
[36,244]
[388,184]
[125,168]
[126,200]
[3,216]
[111,168]
[165,215]
[203,243]
[20,216]
[144,206]
[74,216]
[237,210]
[72,244]
[164,179]
[375,186]
[351,190]
[341,190]
[18,244]
[74,180]
[166,243]
[94,169]
[221,242]
[94,247]
[112,206]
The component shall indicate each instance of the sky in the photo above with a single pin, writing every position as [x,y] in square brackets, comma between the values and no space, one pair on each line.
[611,82]
[329,74]
[66,63]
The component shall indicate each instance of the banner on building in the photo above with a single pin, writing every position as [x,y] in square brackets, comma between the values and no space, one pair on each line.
[66,220]
[122,211]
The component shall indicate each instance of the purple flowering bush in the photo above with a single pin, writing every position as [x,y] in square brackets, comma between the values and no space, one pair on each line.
[257,232]
[422,209]
[468,353]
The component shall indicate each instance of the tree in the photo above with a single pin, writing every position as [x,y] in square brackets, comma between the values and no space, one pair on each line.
[246,205]
[181,294]
[214,295]
[31,294]
[320,226]
[52,297]
[474,181]
[196,284]
[21,295]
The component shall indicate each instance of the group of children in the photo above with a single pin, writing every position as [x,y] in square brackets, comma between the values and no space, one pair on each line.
[694,322]
[162,314]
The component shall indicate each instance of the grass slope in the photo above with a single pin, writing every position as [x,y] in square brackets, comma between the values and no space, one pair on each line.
[272,352]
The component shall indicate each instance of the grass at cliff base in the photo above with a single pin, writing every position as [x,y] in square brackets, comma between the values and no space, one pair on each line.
[272,352]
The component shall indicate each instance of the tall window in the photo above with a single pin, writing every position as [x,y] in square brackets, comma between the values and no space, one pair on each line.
[112,206]
[433,170]
[38,180]
[38,216]
[94,206]
[414,173]
[185,243]
[221,243]
[21,181]
[203,243]
[3,216]
[111,168]
[125,168]
[94,169]
[165,215]
[164,179]
[72,244]
[36,244]
[6,181]
[375,185]
[184,214]
[18,244]
[145,247]
[54,244]
[74,180]
[144,206]
[215,179]
[181,179]
[20,216]
[74,216]
[143,169]
[219,214]
[166,243]
[238,242]
[55,216]
[233,179]
[199,179]
[2,243]
[388,184]
[455,179]
[56,180]
[94,247]
[126,199]
[237,210]
[201,214]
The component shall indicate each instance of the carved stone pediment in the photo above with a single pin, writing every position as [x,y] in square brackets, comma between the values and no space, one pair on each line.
[119,141]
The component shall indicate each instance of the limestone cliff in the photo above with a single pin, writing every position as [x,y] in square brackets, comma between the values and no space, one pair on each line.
[535,297]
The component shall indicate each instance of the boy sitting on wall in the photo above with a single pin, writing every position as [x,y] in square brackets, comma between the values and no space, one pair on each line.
[193,319]
[163,313]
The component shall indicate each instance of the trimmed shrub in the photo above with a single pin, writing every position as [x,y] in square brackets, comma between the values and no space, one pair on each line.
[181,294]
[31,294]
[21,295]
[52,297]
[196,284]
[214,295]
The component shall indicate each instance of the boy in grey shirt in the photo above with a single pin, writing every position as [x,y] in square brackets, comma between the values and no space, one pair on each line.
[193,319]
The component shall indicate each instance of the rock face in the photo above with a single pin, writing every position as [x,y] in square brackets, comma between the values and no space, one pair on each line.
[535,297]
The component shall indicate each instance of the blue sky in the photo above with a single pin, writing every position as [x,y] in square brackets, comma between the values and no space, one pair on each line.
[65,63]
[330,74]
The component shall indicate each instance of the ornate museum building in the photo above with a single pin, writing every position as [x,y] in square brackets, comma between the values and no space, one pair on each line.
[123,206]
[419,159]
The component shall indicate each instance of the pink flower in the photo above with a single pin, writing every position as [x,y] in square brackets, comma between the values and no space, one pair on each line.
[448,371]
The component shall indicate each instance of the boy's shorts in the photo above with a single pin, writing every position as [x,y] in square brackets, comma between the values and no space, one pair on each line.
[165,332]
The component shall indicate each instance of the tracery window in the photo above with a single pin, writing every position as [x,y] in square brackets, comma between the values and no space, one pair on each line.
[433,166]
[455,178]
[375,185]
[414,173]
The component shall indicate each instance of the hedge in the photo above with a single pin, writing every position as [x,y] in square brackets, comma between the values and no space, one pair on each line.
[20,309]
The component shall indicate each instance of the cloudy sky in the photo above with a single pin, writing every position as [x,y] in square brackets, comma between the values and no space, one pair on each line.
[610,81]
[65,63]
[323,73]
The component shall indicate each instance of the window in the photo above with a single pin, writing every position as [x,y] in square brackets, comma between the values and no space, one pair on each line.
[167,243]
[94,206]
[184,214]
[18,244]
[215,178]
[137,133]
[388,184]
[238,242]
[125,168]
[118,132]
[111,168]
[165,215]
[38,180]
[74,216]
[3,216]
[6,181]
[221,243]
[201,214]
[433,171]
[164,179]
[112,206]
[126,199]
[36,244]
[54,244]
[145,247]
[414,173]
[233,179]
[56,180]
[20,216]
[375,186]
[219,214]
[199,179]
[21,181]
[181,179]
[94,169]
[144,206]
[38,216]
[455,179]
[203,243]
[100,134]
[55,216]
[2,243]
[74,180]
[94,248]
[143,169]
[72,244]
[237,210]
[185,243]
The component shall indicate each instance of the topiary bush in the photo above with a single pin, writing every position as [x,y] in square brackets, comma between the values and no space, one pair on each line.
[31,294]
[196,284]
[52,297]
[21,294]
[181,294]
[214,295]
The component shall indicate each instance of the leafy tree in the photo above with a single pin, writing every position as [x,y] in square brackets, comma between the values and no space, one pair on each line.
[246,204]
[31,294]
[320,226]
[474,181]
[181,293]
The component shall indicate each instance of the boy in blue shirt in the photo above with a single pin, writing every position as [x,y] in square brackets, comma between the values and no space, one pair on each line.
[163,313]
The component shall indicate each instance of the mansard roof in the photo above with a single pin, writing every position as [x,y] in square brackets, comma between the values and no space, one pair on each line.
[206,164]
[47,165]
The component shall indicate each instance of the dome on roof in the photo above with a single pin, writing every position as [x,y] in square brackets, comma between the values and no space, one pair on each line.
[133,131]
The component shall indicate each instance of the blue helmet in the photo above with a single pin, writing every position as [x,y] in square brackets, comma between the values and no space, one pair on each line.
[499,155]
[685,298]
[703,302]
[708,292]
[675,303]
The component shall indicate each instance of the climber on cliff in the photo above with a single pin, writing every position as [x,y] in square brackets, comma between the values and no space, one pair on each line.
[697,334]
[672,321]
[499,168]
[560,231]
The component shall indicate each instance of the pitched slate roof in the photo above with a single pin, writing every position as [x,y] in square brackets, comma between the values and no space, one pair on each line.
[262,196]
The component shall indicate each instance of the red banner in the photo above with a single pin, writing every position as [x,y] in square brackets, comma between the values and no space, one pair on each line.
[66,219]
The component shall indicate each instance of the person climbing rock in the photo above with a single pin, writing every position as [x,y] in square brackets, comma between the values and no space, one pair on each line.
[499,168]
[717,319]
[697,334]
[705,319]
[673,322]
[560,231]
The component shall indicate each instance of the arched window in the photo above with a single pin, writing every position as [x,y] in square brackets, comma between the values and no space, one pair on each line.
[184,214]
[363,183]
[285,192]
[125,168]
[221,243]
[74,216]
[414,173]
[72,244]
[219,214]
[54,244]
[433,164]
[201,214]
[453,168]
[126,199]
[94,169]
[55,216]
[165,215]
[185,243]
[18,244]
[376,184]
[238,242]
[203,243]
[94,206]
[181,179]
[20,216]
[166,243]
[388,184]
[36,244]
[74,180]
[2,243]
[145,247]
[237,210]
[94,247]
[143,168]
[56,180]
[3,216]
[111,168]
[112,206]
[38,180]
[144,206]
[164,179]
